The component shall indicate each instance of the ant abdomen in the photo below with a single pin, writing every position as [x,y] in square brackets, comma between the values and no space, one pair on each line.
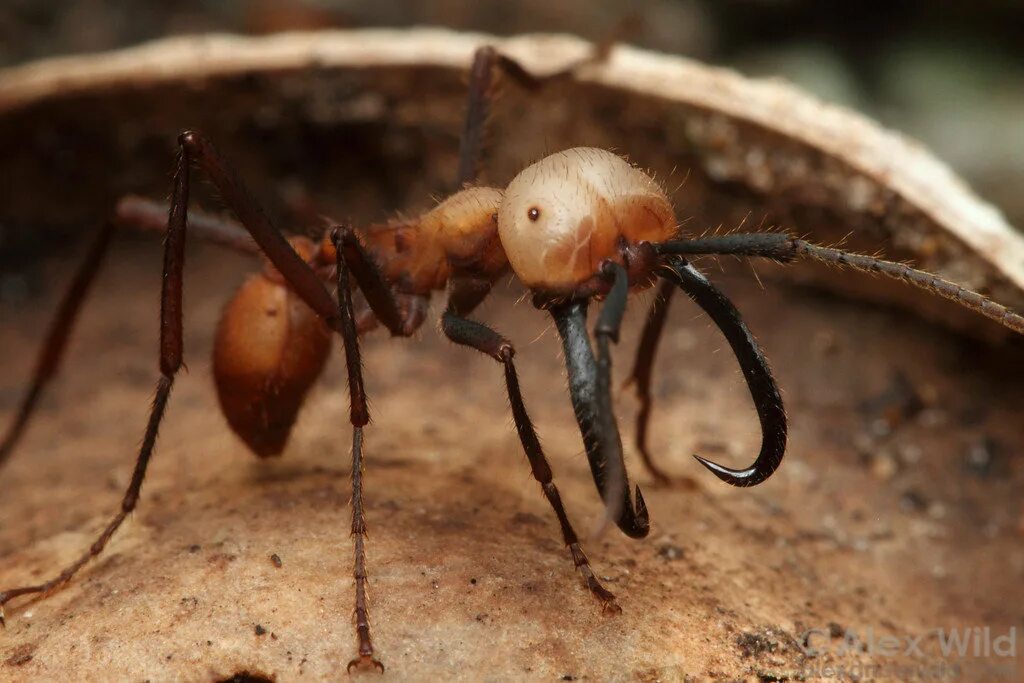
[565,214]
[269,349]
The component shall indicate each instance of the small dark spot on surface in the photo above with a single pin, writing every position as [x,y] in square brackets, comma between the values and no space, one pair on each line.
[835,630]
[912,501]
[195,548]
[275,560]
[221,559]
[568,677]
[890,409]
[981,456]
[670,552]
[260,630]
[473,581]
[755,644]
[209,642]
[246,677]
[527,518]
[20,655]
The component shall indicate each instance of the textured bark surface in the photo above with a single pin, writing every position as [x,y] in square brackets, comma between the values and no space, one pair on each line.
[897,510]
[356,123]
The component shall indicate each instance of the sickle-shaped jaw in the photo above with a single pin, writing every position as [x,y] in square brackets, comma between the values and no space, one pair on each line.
[751,476]
[589,383]
[760,382]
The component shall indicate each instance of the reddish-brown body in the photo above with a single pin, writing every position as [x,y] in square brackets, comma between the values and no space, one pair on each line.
[559,219]
[270,348]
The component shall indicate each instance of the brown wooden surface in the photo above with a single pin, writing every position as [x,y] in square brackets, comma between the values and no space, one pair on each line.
[893,532]
[877,519]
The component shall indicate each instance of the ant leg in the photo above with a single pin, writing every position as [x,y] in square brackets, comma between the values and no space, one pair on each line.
[404,313]
[783,248]
[481,93]
[476,335]
[359,415]
[144,214]
[131,212]
[590,391]
[338,316]
[302,279]
[57,338]
[641,374]
[755,368]
[170,362]
[478,107]
[379,294]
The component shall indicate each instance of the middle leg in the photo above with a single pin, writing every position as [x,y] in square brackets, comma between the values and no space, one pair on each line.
[359,415]
[643,368]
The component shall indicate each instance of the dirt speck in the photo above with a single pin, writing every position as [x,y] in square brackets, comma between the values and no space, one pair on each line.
[20,655]
[670,552]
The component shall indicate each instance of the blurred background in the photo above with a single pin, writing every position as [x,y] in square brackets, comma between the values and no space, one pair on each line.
[948,73]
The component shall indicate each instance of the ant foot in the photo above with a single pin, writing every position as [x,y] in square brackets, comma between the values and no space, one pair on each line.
[365,663]
[607,598]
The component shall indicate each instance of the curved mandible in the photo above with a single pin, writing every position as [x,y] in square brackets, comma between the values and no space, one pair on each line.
[589,388]
[756,372]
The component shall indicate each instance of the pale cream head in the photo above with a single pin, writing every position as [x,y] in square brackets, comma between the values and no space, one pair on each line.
[562,216]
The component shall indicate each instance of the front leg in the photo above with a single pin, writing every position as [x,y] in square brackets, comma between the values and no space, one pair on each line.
[476,335]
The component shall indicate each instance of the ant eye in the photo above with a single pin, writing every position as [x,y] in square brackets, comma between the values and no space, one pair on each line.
[533,214]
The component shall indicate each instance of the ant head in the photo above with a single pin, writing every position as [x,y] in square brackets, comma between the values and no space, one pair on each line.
[564,215]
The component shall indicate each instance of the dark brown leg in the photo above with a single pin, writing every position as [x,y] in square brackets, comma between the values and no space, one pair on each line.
[57,338]
[641,374]
[481,93]
[139,213]
[360,415]
[339,316]
[482,338]
[298,274]
[379,294]
[170,361]
[302,279]
[131,212]
[478,107]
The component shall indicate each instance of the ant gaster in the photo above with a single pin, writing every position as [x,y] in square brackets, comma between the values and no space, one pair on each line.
[576,226]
